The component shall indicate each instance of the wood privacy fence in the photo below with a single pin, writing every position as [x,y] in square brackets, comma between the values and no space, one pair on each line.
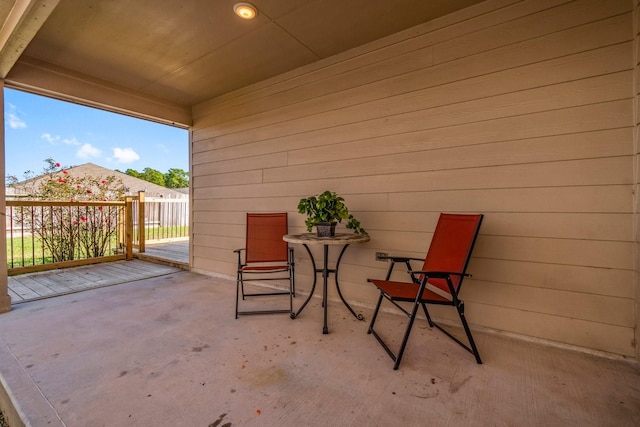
[164,219]
[44,235]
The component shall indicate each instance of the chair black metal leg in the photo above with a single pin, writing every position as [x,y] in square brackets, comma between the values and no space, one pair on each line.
[472,343]
[426,313]
[238,281]
[375,314]
[240,293]
[405,339]
[242,285]
[372,331]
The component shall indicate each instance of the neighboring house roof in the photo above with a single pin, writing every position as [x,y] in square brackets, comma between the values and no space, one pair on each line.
[131,184]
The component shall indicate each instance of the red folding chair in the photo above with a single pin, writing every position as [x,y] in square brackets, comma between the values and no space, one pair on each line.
[266,257]
[438,282]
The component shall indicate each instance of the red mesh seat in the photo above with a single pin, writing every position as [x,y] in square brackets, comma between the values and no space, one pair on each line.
[265,257]
[438,281]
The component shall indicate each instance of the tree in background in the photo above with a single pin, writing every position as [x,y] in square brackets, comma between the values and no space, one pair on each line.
[174,178]
[152,175]
[131,172]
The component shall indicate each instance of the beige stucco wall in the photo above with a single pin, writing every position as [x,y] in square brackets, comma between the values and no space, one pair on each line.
[521,110]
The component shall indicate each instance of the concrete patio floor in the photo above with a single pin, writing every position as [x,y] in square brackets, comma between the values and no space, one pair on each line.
[167,351]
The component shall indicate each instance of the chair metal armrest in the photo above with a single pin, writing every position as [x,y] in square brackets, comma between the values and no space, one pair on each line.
[239,252]
[426,275]
[402,259]
[440,274]
[399,258]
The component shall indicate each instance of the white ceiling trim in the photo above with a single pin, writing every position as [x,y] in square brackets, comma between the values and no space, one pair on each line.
[20,26]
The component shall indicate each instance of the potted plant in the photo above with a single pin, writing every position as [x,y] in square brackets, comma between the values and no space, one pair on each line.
[324,211]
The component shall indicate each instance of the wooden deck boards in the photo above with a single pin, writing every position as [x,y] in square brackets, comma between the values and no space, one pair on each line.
[177,252]
[46,284]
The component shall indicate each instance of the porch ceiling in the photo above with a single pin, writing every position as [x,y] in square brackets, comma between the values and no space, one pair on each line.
[185,52]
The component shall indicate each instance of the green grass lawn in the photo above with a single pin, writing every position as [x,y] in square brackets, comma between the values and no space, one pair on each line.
[24,249]
[157,233]
[30,251]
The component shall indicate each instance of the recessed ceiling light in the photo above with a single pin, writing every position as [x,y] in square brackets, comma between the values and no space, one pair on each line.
[245,10]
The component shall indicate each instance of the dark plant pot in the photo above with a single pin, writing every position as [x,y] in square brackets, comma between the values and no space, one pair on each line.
[326,229]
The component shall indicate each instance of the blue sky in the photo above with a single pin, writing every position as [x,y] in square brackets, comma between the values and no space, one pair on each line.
[37,128]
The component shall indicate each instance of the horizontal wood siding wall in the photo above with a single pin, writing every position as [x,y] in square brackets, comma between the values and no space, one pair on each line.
[521,110]
[636,33]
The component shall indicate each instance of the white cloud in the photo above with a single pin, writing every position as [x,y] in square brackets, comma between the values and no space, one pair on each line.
[50,138]
[88,151]
[13,120]
[125,155]
[54,140]
[72,141]
[16,122]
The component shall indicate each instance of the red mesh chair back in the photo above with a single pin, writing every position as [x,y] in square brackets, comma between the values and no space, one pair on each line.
[451,247]
[264,237]
[266,258]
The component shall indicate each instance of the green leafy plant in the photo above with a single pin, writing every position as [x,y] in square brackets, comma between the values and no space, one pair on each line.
[328,207]
[74,231]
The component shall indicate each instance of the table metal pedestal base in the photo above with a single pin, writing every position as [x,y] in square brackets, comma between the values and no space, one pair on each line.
[325,270]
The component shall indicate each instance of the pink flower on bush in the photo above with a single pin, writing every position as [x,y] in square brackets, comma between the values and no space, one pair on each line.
[75,222]
[83,219]
[104,182]
[79,187]
[61,180]
[65,172]
[88,191]
[57,164]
